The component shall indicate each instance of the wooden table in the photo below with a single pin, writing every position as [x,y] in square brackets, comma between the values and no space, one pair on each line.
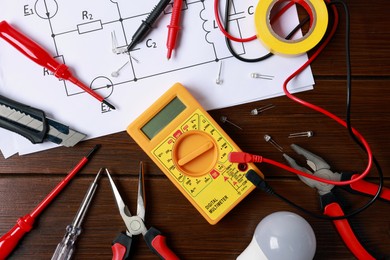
[25,180]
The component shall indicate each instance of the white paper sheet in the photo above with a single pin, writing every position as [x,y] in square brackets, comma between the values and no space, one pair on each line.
[79,34]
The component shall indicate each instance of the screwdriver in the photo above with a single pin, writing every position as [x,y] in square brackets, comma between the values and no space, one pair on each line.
[65,248]
[37,54]
[24,224]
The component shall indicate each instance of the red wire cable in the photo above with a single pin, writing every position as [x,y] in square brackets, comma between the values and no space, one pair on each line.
[231,37]
[325,112]
[302,102]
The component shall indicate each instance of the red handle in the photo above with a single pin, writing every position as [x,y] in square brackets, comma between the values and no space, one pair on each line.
[157,243]
[10,239]
[118,251]
[369,188]
[346,233]
[160,245]
[121,247]
[32,50]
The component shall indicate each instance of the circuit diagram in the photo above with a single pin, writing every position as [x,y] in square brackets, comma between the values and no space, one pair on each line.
[104,19]
[80,35]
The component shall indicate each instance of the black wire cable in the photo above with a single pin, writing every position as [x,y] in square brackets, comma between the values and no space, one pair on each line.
[348,110]
[228,43]
[349,102]
[265,187]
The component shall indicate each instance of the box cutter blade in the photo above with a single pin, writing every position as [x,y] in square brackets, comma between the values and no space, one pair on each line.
[34,125]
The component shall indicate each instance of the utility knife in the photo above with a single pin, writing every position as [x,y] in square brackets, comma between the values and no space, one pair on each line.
[33,124]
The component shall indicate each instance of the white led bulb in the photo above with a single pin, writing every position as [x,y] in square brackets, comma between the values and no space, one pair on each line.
[281,235]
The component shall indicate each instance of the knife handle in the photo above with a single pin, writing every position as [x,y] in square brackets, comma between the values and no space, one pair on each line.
[34,136]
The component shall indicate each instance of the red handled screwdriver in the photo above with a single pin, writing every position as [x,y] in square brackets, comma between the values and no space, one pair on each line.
[24,224]
[37,54]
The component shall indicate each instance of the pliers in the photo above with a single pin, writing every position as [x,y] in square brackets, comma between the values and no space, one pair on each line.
[329,204]
[121,246]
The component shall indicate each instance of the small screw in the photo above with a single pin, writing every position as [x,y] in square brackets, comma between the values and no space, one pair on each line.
[261,76]
[224,119]
[258,111]
[116,73]
[301,134]
[219,81]
[269,139]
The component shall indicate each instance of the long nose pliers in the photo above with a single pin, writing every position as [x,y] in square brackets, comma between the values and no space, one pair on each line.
[135,225]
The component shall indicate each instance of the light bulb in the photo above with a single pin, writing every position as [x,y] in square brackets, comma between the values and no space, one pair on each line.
[281,235]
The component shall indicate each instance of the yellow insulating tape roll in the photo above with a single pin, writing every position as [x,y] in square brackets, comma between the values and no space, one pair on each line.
[275,43]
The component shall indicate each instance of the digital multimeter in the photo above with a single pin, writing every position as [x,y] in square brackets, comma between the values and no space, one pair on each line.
[192,150]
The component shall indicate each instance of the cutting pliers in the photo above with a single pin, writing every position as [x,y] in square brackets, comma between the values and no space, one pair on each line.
[330,206]
[121,246]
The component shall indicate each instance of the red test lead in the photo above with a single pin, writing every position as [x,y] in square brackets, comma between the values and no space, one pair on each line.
[174,26]
[24,224]
[37,54]
[242,157]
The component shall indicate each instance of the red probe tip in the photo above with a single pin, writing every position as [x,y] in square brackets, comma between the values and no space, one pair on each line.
[169,53]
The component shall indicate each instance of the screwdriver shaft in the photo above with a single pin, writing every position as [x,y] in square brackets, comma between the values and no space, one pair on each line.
[65,248]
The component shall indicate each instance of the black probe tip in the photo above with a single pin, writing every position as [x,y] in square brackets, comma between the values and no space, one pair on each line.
[108,104]
[131,45]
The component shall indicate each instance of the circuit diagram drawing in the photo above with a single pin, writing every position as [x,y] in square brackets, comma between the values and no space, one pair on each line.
[84,35]
[86,23]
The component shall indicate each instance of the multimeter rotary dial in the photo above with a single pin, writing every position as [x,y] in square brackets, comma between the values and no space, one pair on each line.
[195,153]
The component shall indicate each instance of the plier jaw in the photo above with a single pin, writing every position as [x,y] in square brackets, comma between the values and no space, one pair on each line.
[134,224]
[319,167]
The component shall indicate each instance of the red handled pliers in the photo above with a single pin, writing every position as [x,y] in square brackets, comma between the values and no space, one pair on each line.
[328,200]
[135,225]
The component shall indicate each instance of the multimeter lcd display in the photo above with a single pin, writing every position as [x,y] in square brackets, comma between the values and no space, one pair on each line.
[163,118]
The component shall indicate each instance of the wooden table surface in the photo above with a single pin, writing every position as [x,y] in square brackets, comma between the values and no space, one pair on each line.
[25,180]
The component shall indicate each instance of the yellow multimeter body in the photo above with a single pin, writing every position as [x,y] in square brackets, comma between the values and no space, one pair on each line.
[192,150]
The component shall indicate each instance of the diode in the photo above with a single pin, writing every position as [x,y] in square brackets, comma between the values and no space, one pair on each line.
[224,119]
[269,139]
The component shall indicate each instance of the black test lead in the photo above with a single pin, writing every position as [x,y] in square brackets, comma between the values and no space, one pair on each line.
[147,24]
